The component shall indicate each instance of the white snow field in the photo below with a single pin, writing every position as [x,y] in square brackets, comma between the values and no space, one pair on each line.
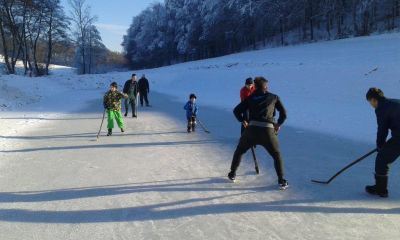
[157,182]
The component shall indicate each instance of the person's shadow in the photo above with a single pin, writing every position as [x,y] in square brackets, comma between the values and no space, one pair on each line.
[171,210]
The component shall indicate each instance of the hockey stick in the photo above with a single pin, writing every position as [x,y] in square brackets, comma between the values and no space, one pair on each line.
[137,105]
[255,160]
[202,126]
[253,152]
[345,168]
[101,125]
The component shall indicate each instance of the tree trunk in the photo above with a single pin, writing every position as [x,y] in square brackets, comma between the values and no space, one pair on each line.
[5,48]
[49,44]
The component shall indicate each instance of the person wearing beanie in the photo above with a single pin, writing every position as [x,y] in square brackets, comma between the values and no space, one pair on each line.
[261,128]
[191,113]
[245,92]
[388,117]
[112,104]
[247,89]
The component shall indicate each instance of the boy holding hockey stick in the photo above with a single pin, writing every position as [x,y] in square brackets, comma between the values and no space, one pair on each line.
[191,113]
[112,104]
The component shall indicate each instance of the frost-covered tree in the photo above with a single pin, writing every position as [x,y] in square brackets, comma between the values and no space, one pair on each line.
[84,21]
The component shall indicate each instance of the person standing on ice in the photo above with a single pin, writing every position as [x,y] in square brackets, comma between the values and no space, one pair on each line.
[131,88]
[112,104]
[144,90]
[261,129]
[247,89]
[388,118]
[245,92]
[191,113]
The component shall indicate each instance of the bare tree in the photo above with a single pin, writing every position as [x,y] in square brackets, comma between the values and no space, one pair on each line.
[81,16]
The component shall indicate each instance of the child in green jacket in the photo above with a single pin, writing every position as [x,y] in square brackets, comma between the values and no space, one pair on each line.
[112,103]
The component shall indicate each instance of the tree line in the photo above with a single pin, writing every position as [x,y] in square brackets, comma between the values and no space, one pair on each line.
[182,30]
[39,33]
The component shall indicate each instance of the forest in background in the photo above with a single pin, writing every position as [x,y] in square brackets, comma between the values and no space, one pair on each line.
[183,30]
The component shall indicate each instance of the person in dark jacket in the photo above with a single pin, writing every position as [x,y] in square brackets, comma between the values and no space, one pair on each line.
[388,118]
[131,89]
[191,113]
[144,90]
[261,128]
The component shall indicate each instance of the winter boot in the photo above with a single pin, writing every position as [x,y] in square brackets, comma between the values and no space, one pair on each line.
[380,187]
[122,130]
[283,184]
[109,132]
[232,176]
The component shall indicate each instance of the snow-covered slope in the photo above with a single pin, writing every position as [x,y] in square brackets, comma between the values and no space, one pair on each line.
[323,85]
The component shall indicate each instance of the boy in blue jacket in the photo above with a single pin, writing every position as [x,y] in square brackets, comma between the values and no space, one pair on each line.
[191,113]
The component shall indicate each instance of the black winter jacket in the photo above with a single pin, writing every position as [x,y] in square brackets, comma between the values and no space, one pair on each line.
[127,88]
[388,118]
[144,85]
[262,107]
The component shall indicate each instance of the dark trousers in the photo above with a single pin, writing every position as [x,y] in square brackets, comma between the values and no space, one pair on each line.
[191,123]
[132,103]
[265,137]
[386,156]
[143,95]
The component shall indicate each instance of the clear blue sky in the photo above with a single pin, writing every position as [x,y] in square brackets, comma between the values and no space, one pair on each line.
[114,18]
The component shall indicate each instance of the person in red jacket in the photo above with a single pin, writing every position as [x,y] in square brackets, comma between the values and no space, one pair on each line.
[247,90]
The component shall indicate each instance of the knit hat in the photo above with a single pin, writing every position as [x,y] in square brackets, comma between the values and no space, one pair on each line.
[114,84]
[249,81]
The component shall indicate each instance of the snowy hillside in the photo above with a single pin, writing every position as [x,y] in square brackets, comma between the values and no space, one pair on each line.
[323,85]
[157,182]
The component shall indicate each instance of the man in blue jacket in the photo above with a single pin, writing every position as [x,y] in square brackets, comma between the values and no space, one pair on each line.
[388,118]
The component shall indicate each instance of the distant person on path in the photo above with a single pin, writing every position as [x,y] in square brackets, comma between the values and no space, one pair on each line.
[191,113]
[112,104]
[131,88]
[144,90]
[261,128]
[388,118]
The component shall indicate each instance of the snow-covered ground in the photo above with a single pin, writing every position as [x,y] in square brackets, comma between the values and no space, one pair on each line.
[157,182]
